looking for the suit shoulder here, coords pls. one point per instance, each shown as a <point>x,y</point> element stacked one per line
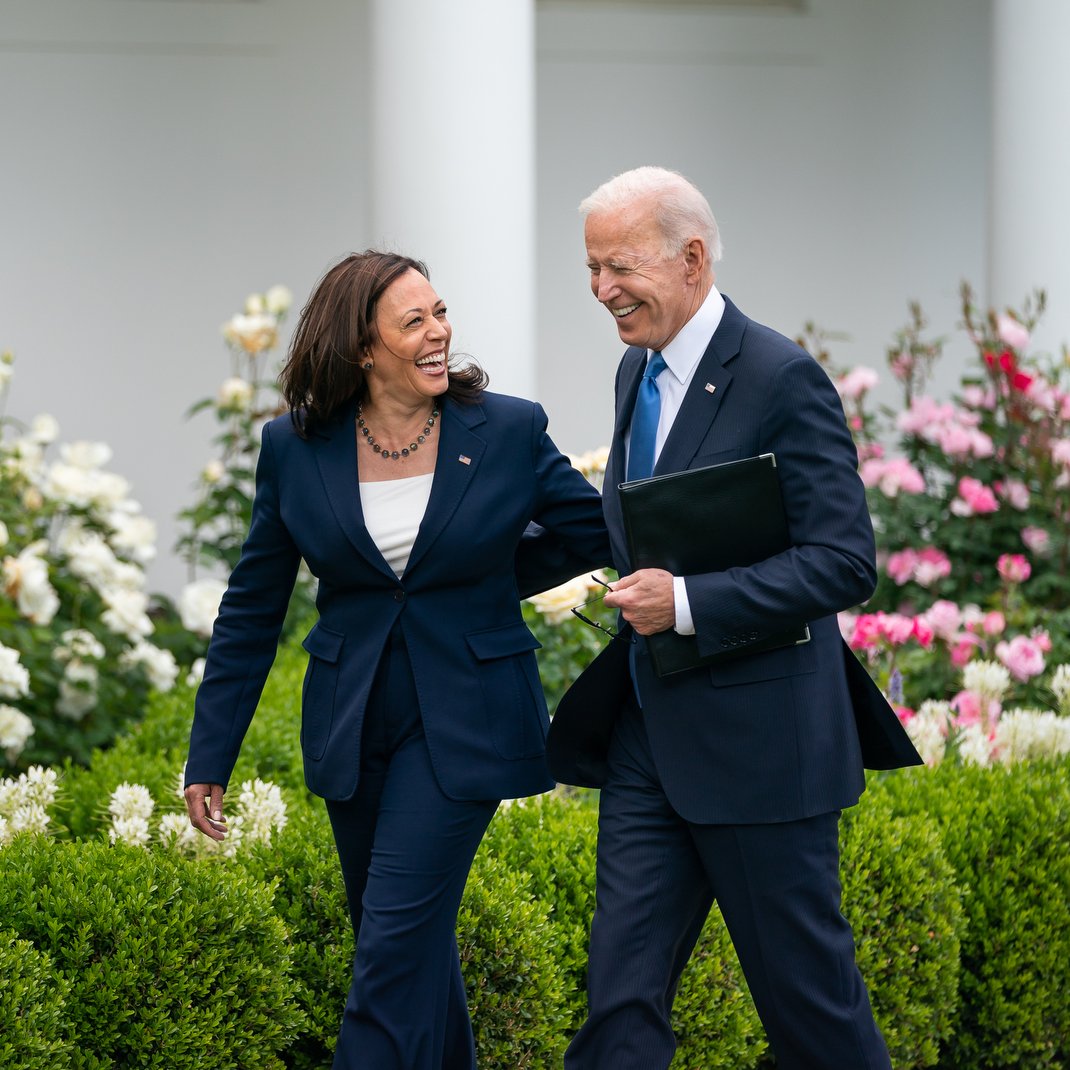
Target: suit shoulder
<point>508,407</point>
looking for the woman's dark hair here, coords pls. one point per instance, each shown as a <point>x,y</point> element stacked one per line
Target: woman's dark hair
<point>323,371</point>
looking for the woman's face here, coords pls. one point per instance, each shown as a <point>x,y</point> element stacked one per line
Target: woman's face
<point>411,349</point>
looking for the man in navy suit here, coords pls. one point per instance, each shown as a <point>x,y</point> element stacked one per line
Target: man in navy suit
<point>724,782</point>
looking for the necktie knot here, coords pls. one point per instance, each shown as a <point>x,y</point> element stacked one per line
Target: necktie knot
<point>655,366</point>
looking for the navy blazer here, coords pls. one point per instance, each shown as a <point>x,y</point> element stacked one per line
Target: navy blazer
<point>458,602</point>
<point>770,736</point>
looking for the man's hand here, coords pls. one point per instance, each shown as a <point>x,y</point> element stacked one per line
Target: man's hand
<point>205,805</point>
<point>645,598</point>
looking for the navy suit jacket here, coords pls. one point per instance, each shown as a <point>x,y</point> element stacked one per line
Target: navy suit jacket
<point>458,601</point>
<point>770,736</point>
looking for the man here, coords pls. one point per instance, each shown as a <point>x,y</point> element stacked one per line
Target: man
<point>723,782</point>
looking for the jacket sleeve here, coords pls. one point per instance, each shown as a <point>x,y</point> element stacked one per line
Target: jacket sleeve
<point>568,534</point>
<point>246,632</point>
<point>831,563</point>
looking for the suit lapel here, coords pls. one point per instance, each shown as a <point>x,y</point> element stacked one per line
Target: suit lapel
<point>703,398</point>
<point>460,452</point>
<point>336,457</point>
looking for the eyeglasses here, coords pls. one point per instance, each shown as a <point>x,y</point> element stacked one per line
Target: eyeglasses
<point>611,632</point>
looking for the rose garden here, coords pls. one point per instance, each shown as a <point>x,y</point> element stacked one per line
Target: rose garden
<point>126,940</point>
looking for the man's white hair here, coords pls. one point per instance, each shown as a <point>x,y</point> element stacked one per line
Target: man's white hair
<point>680,209</point>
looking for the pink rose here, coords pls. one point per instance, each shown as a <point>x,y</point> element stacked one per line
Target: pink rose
<point>967,707</point>
<point>963,650</point>
<point>944,618</point>
<point>923,632</point>
<point>855,383</point>
<point>1043,640</point>
<point>900,566</point>
<point>895,628</point>
<point>931,565</point>
<point>1036,540</point>
<point>1013,491</point>
<point>994,623</point>
<point>1022,656</point>
<point>1011,332</point>
<point>1014,568</point>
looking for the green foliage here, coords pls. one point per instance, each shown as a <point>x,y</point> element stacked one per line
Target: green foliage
<point>510,956</point>
<point>905,909</point>
<point>1005,831</point>
<point>310,899</point>
<point>153,752</point>
<point>33,1033</point>
<point>170,963</point>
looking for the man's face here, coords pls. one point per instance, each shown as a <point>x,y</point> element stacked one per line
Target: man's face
<point>650,296</point>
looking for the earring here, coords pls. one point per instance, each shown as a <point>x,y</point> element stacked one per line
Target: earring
<point>367,365</point>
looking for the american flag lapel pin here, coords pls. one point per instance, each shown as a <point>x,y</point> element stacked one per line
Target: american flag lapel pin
<point>710,388</point>
<point>464,460</point>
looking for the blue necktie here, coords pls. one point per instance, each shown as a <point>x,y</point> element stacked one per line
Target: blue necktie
<point>645,418</point>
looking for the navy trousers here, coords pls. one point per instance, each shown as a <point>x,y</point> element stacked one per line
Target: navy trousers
<point>405,850</point>
<point>778,889</point>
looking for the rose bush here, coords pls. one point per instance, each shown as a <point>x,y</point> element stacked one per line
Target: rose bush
<point>969,498</point>
<point>77,655</point>
<point>216,523</point>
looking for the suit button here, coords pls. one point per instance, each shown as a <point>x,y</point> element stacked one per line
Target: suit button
<point>399,596</point>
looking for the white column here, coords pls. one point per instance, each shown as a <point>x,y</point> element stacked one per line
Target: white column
<point>1030,208</point>
<point>453,166</point>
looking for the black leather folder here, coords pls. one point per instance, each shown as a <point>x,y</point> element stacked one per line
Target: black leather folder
<point>707,520</point>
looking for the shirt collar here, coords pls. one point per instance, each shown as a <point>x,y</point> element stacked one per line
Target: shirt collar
<point>686,349</point>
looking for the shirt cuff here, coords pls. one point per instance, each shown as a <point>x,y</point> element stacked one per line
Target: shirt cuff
<point>684,624</point>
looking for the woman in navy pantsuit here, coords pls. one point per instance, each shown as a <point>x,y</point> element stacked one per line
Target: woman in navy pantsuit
<point>426,508</point>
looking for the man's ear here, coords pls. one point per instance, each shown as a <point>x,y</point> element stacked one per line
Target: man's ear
<point>696,259</point>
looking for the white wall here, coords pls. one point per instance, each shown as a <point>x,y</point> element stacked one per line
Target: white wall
<point>842,149</point>
<point>163,158</point>
<point>160,160</point>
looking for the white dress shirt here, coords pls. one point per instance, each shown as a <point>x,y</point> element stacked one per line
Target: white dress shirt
<point>682,355</point>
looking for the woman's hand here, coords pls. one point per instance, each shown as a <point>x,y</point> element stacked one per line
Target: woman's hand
<point>205,805</point>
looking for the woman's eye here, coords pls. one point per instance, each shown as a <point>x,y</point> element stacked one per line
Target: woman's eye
<point>413,322</point>
<point>441,313</point>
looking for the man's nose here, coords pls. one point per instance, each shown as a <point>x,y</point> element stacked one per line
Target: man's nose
<point>606,287</point>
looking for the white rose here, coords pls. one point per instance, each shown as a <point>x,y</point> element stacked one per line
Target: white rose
<point>15,729</point>
<point>254,303</point>
<point>14,678</point>
<point>213,471</point>
<point>278,300</point>
<point>26,580</point>
<point>198,605</point>
<point>253,333</point>
<point>44,429</point>
<point>126,614</point>
<point>135,534</point>
<point>195,674</point>
<point>3,534</point>
<point>86,455</point>
<point>160,665</point>
<point>236,394</point>
<point>77,691</point>
<point>557,603</point>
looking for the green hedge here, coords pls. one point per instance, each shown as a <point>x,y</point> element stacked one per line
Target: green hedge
<point>33,1028</point>
<point>1006,832</point>
<point>956,881</point>
<point>165,963</point>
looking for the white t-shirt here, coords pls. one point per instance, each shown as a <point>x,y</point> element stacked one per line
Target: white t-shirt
<point>393,509</point>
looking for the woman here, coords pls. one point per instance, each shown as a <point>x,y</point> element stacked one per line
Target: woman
<point>409,491</point>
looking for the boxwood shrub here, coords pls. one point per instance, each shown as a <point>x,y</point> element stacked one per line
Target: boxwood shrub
<point>905,908</point>
<point>1006,831</point>
<point>33,1028</point>
<point>166,963</point>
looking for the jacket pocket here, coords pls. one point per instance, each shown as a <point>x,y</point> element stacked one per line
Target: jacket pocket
<point>768,665</point>
<point>319,690</point>
<point>512,692</point>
